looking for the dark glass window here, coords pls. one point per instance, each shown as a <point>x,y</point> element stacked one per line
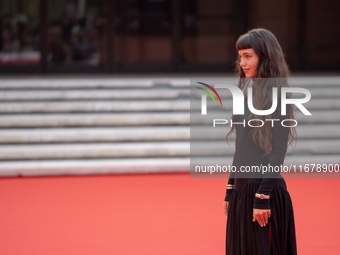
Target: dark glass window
<point>19,32</point>
<point>75,33</point>
<point>143,32</point>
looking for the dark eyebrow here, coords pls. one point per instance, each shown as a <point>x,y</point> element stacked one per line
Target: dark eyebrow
<point>245,53</point>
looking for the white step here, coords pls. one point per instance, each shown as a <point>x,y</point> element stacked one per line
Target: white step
<point>52,83</point>
<point>40,82</point>
<point>94,166</point>
<point>111,134</point>
<point>148,105</point>
<point>94,119</point>
<point>94,106</point>
<point>148,149</point>
<point>20,95</point>
<point>136,165</point>
<point>94,150</point>
<point>86,94</point>
<point>145,82</point>
<point>128,134</point>
<point>140,119</point>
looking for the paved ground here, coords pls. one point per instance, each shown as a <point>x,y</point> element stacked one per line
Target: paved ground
<point>145,214</point>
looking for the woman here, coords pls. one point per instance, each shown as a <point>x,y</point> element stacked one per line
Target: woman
<point>259,208</point>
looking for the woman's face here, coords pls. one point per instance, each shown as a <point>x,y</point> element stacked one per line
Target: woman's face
<point>249,62</point>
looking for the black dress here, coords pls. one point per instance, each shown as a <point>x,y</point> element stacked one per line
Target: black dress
<point>243,236</point>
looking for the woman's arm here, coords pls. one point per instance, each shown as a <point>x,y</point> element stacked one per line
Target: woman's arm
<point>261,207</point>
<point>278,152</point>
<point>231,181</point>
<point>229,191</point>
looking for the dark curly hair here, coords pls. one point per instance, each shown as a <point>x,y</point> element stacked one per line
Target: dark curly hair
<point>272,64</point>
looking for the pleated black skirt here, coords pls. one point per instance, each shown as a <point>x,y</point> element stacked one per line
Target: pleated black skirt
<point>245,237</point>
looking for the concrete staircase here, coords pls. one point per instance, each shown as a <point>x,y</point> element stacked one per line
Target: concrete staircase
<point>93,126</point>
<point>69,126</point>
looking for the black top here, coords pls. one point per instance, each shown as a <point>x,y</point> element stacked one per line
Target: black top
<point>247,153</point>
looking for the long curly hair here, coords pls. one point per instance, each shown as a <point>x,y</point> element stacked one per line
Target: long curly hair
<point>272,64</point>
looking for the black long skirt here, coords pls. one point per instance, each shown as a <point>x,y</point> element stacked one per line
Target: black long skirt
<point>245,237</point>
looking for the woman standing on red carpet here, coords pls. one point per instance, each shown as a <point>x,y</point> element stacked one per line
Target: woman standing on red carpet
<point>259,207</point>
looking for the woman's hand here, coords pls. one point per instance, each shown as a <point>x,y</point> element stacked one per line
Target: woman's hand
<point>261,216</point>
<point>225,207</point>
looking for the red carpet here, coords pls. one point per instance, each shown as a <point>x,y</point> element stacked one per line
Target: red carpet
<point>145,214</point>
